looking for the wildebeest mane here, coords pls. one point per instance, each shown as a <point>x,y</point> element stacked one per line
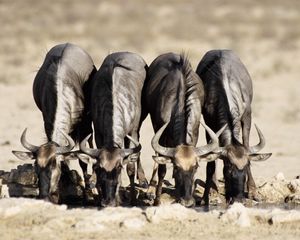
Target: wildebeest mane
<point>216,104</point>
<point>190,86</point>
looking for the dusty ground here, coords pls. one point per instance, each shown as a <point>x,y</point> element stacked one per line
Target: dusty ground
<point>265,34</point>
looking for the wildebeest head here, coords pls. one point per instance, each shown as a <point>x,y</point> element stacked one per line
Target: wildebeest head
<point>185,159</point>
<point>237,158</point>
<point>107,165</point>
<point>47,159</point>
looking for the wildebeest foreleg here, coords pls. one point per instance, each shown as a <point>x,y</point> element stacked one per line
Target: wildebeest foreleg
<point>153,182</point>
<point>162,169</point>
<point>131,173</point>
<point>141,174</point>
<point>210,176</point>
<point>246,127</point>
<point>252,194</point>
<point>140,171</point>
<point>54,183</point>
<point>88,191</point>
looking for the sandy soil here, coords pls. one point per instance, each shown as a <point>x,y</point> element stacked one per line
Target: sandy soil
<point>265,34</point>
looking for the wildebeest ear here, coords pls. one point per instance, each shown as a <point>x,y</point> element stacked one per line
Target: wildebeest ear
<point>161,159</point>
<point>24,155</point>
<point>209,157</point>
<point>259,157</point>
<point>81,156</point>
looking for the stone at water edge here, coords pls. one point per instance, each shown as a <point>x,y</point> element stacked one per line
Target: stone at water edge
<point>279,176</point>
<point>294,185</point>
<point>24,175</point>
<point>4,176</point>
<point>22,182</point>
<point>175,212</point>
<point>275,190</point>
<point>293,198</point>
<point>237,214</point>
<point>18,190</point>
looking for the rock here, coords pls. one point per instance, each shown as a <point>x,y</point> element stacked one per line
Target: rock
<point>4,191</point>
<point>279,177</point>
<point>237,214</point>
<point>274,191</point>
<point>175,212</point>
<point>4,176</point>
<point>18,190</point>
<point>285,217</point>
<point>24,175</point>
<point>167,199</point>
<point>294,185</point>
<point>293,198</point>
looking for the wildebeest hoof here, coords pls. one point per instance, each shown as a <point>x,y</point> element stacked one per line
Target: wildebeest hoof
<point>253,195</point>
<point>112,203</point>
<point>151,192</point>
<point>133,202</point>
<point>54,198</point>
<point>187,203</point>
<point>156,202</point>
<point>88,196</point>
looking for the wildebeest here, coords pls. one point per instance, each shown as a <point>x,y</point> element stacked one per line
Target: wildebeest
<point>173,94</point>
<point>116,111</point>
<point>60,92</point>
<point>228,97</point>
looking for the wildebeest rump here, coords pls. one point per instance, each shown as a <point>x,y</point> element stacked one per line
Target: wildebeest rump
<point>173,94</point>
<point>228,97</point>
<point>116,111</point>
<point>60,92</point>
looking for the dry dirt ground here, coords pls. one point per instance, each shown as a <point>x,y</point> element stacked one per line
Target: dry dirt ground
<point>265,34</point>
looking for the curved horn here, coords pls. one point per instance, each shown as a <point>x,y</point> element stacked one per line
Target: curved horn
<point>27,145</point>
<point>260,145</point>
<point>89,151</point>
<point>164,151</point>
<point>211,146</point>
<point>69,147</point>
<point>221,150</point>
<point>136,149</point>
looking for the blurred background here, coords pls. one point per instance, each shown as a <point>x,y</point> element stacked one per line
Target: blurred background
<point>265,34</point>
